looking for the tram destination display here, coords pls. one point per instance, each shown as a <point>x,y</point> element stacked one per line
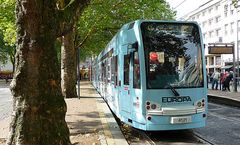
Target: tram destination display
<point>220,48</point>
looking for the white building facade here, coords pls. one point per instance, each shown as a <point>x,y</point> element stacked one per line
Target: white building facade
<point>219,22</point>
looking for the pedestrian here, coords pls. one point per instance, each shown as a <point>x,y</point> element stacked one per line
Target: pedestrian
<point>227,81</point>
<point>223,77</point>
<point>216,77</point>
<point>210,74</point>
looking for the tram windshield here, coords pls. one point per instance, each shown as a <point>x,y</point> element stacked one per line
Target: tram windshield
<point>172,54</point>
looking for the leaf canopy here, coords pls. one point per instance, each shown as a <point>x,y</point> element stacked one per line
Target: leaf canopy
<point>98,23</point>
<point>103,18</point>
<point>7,30</point>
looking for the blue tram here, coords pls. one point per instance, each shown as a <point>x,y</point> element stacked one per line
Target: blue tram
<point>153,76</point>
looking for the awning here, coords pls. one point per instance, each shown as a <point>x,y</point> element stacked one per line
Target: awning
<point>226,66</point>
<point>237,67</point>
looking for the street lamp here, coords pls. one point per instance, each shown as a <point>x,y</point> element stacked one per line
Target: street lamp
<point>78,72</point>
<point>237,45</point>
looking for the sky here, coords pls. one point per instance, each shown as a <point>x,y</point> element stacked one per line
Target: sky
<point>185,6</point>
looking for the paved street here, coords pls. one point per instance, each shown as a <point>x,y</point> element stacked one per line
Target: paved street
<point>222,125</point>
<point>5,108</point>
<point>5,101</point>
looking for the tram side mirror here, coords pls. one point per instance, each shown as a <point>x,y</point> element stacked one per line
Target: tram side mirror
<point>133,47</point>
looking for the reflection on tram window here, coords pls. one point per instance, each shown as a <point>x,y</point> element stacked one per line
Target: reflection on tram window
<point>173,55</point>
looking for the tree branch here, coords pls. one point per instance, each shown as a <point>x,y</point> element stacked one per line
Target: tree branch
<point>68,15</point>
<point>85,38</point>
<point>92,28</point>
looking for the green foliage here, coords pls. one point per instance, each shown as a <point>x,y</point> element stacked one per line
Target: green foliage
<point>7,30</point>
<point>6,51</point>
<point>99,22</point>
<point>3,56</point>
<point>102,19</point>
<point>235,3</point>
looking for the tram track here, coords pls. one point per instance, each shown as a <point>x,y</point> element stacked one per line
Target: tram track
<point>139,137</point>
<point>203,140</point>
<point>146,137</point>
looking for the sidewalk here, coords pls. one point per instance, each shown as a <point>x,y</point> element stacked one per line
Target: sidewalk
<point>92,117</point>
<point>89,120</point>
<point>224,97</point>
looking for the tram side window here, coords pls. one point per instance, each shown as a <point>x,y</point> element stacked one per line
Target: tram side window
<point>113,69</point>
<point>116,70</point>
<point>136,72</point>
<point>126,69</point>
<point>108,70</point>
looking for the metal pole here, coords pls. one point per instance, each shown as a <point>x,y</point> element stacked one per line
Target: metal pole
<point>237,46</point>
<point>90,69</point>
<point>234,71</point>
<point>78,74</point>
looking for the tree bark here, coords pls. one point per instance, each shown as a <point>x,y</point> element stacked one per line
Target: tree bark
<point>68,50</point>
<point>68,66</point>
<point>39,106</point>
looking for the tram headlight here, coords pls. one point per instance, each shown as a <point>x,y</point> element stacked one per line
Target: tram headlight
<point>153,106</point>
<point>200,103</point>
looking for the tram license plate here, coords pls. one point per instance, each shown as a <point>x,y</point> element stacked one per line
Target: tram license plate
<point>180,120</point>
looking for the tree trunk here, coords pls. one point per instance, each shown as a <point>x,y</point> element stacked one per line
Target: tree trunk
<point>68,66</point>
<point>39,107</point>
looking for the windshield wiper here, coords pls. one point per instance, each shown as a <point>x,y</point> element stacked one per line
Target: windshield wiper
<point>173,90</point>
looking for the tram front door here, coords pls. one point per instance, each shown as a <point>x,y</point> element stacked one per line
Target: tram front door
<point>124,97</point>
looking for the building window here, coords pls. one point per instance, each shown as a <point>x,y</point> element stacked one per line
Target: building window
<point>217,19</point>
<point>217,7</point>
<point>232,27</point>
<point>204,24</point>
<point>219,39</point>
<point>198,16</point>
<point>238,25</point>
<point>218,32</point>
<point>226,29</point>
<point>231,12</point>
<point>204,35</point>
<point>218,60</point>
<point>210,22</point>
<point>210,34</point>
<point>203,13</point>
<point>225,10</point>
<point>211,60</point>
<point>231,9</point>
<point>210,10</point>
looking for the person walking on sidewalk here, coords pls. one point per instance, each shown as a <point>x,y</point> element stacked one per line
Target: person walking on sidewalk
<point>226,82</point>
<point>216,77</point>
<point>222,80</point>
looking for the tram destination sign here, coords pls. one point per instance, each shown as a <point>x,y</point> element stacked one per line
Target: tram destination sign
<point>220,48</point>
